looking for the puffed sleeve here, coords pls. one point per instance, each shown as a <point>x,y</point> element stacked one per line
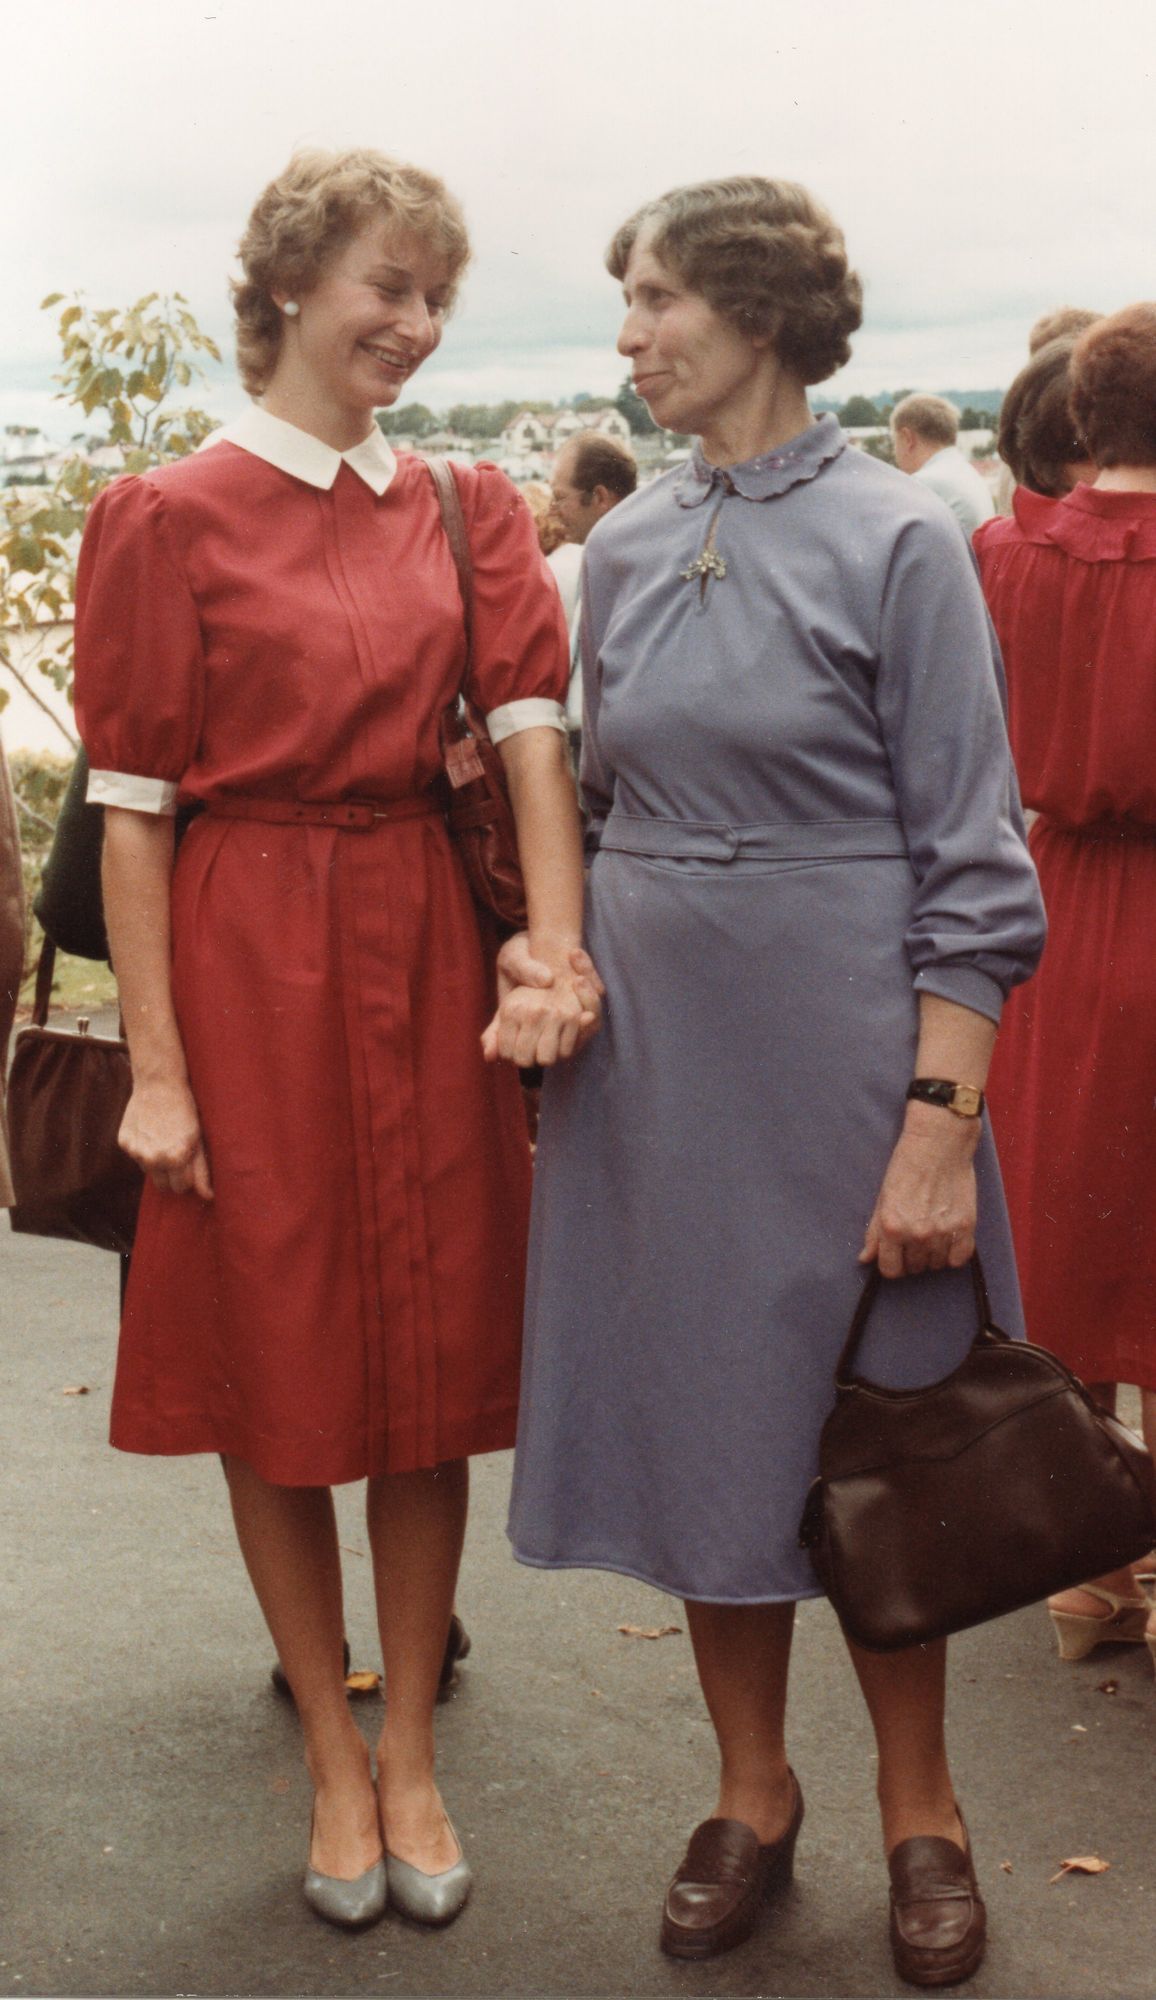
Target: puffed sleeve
<point>139,663</point>
<point>521,652</point>
<point>977,927</point>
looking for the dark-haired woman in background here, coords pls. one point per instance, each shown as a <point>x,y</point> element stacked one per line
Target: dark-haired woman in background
<point>1072,588</point>
<point>810,887</point>
<point>1037,438</point>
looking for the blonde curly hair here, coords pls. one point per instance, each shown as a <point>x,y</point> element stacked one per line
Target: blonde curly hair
<point>308,214</point>
<point>766,255</point>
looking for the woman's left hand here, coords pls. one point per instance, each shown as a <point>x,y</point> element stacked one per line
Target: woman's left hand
<point>925,1216</point>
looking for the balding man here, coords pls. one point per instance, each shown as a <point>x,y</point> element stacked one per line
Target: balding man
<point>923,431</point>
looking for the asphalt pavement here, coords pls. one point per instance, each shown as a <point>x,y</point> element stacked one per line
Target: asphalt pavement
<point>154,1812</point>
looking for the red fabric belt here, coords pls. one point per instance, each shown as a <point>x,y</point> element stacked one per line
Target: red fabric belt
<point>357,813</point>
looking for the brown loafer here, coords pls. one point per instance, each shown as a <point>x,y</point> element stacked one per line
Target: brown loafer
<point>714,1899</point>
<point>938,1921</point>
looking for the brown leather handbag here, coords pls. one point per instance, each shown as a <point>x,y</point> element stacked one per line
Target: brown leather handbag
<point>478,809</point>
<point>67,1094</point>
<point>939,1508</point>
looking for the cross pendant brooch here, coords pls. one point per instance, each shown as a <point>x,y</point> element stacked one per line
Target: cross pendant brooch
<point>709,563</point>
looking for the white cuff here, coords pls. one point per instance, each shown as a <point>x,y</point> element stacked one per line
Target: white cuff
<point>120,788</point>
<point>534,713</point>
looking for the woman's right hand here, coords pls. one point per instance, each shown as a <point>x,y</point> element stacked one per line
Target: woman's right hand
<point>546,1012</point>
<point>162,1133</point>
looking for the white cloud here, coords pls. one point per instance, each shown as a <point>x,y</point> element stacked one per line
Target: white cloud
<point>987,158</point>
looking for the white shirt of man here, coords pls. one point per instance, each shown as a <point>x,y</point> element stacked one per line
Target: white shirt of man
<point>566,563</point>
<point>948,473</point>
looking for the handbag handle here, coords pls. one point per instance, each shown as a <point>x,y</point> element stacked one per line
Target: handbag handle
<point>45,973</point>
<point>844,1378</point>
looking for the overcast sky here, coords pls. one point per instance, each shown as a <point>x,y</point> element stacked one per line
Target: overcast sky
<point>986,160</point>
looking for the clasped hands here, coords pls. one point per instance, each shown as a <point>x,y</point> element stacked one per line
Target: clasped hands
<point>549,1003</point>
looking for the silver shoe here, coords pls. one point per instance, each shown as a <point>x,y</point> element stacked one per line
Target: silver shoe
<point>429,1899</point>
<point>350,1904</point>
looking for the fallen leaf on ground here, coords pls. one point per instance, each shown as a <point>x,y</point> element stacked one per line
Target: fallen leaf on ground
<point>1007,1867</point>
<point>75,1389</point>
<point>650,1631</point>
<point>1107,1687</point>
<point>1080,1864</point>
<point>364,1681</point>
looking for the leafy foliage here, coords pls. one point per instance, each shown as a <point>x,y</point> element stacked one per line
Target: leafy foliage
<point>858,412</point>
<point>407,420</point>
<point>630,403</point>
<point>121,367</point>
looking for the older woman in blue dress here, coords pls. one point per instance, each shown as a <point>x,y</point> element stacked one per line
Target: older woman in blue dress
<point>809,890</point>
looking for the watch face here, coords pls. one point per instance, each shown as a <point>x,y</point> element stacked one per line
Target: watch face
<point>966,1100</point>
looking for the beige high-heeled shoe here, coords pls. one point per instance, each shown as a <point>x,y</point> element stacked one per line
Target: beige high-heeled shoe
<point>1079,1633</point>
<point>1146,1581</point>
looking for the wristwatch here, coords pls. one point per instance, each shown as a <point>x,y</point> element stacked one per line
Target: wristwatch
<point>965,1099</point>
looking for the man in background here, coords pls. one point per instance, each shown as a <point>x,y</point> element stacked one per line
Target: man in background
<point>592,473</point>
<point>923,431</point>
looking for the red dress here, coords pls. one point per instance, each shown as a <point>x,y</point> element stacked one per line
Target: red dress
<point>1072,589</point>
<point>350,1303</point>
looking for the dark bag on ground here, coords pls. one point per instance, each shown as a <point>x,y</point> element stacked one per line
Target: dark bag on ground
<point>67,1094</point>
<point>942,1507</point>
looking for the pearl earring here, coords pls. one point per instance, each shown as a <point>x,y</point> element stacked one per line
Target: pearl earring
<point>291,309</point>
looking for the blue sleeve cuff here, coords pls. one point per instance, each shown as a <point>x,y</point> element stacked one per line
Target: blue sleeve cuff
<point>964,984</point>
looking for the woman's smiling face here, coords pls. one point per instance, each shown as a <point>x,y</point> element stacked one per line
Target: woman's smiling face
<point>689,365</point>
<point>375,315</point>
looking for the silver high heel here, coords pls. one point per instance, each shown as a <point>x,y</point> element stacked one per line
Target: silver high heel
<point>353,1904</point>
<point>430,1899</point>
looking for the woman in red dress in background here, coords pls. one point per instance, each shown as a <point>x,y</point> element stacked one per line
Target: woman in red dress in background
<point>327,1281</point>
<point>1071,584</point>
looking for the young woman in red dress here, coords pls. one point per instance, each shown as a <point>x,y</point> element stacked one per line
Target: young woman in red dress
<point>1071,584</point>
<point>327,1282</point>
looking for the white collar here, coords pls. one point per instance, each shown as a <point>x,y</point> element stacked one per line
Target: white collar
<point>304,456</point>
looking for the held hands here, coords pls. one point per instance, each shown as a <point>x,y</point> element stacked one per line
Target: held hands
<point>925,1215</point>
<point>162,1133</point>
<point>549,1005</point>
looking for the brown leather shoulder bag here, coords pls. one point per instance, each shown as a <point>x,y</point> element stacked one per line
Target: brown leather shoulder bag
<point>939,1508</point>
<point>478,809</point>
<point>67,1095</point>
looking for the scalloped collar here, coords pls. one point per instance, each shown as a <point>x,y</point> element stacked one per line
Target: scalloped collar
<point>769,475</point>
<point>304,456</point>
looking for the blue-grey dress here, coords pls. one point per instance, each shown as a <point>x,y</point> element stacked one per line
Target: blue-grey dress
<point>804,815</point>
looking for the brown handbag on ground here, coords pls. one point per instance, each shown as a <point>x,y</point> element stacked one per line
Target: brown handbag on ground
<point>67,1094</point>
<point>478,809</point>
<point>939,1508</point>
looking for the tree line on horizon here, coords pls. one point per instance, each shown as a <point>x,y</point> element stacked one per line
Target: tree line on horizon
<point>488,420</point>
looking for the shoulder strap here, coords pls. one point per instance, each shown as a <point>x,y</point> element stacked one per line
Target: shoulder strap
<point>454,523</point>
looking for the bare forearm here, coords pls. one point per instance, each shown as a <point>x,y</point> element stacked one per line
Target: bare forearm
<point>136,875</point>
<point>549,839</point>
